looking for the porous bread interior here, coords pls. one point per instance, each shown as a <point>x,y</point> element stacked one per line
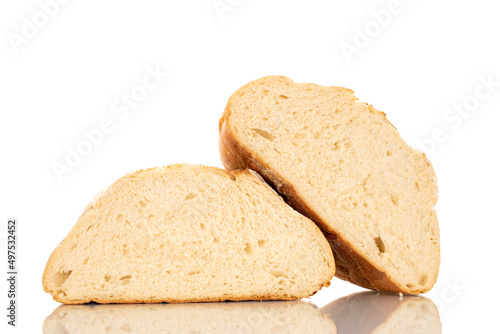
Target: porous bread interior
<point>239,317</point>
<point>350,166</point>
<point>189,233</point>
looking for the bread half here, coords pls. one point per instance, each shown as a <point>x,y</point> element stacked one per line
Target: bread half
<point>341,163</point>
<point>381,313</point>
<point>242,317</point>
<point>189,234</point>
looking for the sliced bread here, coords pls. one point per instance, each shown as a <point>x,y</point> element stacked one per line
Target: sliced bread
<point>240,317</point>
<point>187,233</point>
<point>341,163</point>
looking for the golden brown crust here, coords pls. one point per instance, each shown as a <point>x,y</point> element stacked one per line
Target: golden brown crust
<point>177,301</point>
<point>354,268</point>
<point>350,265</point>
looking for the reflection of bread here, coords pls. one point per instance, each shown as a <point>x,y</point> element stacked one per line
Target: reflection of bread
<point>241,317</point>
<point>342,164</point>
<point>370,312</point>
<point>189,233</point>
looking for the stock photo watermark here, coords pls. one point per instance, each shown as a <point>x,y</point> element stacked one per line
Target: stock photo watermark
<point>448,294</point>
<point>121,107</point>
<point>454,116</point>
<point>33,24</point>
<point>222,7</point>
<point>12,271</point>
<point>364,35</point>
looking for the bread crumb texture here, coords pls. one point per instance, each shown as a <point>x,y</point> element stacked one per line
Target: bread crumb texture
<point>187,233</point>
<point>344,165</point>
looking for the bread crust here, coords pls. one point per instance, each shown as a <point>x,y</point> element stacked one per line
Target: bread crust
<point>350,265</point>
<point>98,202</point>
<point>178,301</point>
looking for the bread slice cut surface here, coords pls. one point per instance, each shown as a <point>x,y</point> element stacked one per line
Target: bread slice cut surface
<point>187,233</point>
<point>341,163</point>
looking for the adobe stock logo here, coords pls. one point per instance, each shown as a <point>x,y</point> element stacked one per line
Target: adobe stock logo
<point>122,106</point>
<point>448,294</point>
<point>31,27</point>
<point>363,36</point>
<point>454,116</point>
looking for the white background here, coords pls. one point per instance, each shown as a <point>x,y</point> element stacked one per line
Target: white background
<point>65,78</point>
